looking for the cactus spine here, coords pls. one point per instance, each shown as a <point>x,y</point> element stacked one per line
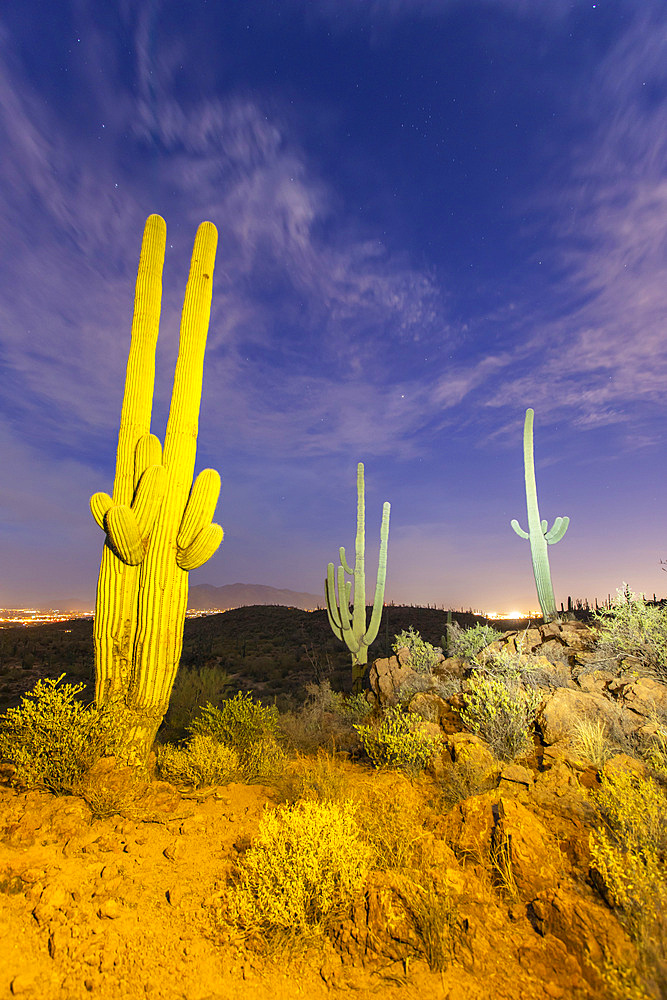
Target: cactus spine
<point>157,523</point>
<point>351,628</point>
<point>537,530</point>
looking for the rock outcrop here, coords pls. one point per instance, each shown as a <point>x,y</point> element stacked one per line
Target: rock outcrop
<point>575,683</point>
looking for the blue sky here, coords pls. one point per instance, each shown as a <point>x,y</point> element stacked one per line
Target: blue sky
<point>432,215</point>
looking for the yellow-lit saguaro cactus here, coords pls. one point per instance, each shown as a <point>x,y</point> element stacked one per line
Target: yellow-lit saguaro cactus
<point>157,522</point>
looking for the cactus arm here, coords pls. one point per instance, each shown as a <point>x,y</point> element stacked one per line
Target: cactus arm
<point>99,506</point>
<point>148,451</point>
<point>378,600</point>
<point>332,608</point>
<point>115,606</point>
<point>163,588</point>
<point>343,561</point>
<point>200,507</point>
<point>560,526</point>
<point>135,418</point>
<point>201,548</point>
<point>519,530</point>
<point>344,588</point>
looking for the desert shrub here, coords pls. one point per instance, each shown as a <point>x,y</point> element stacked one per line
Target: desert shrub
<point>263,760</point>
<point>467,643</point>
<point>435,920</point>
<point>318,778</point>
<point>356,708</point>
<point>193,688</point>
<point>306,863</point>
<point>628,862</point>
<point>655,753</point>
<point>502,712</point>
<point>238,722</point>
<point>326,718</point>
<point>590,738</point>
<point>393,825</point>
<point>250,729</point>
<point>630,627</point>
<point>444,687</point>
<point>423,656</point>
<point>202,761</point>
<point>53,740</point>
<point>399,741</point>
<point>465,777</point>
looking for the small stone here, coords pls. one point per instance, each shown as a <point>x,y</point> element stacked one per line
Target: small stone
<point>173,850</point>
<point>109,910</point>
<point>22,984</point>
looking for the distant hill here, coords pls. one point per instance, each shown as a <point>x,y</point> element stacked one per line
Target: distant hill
<point>240,595</point>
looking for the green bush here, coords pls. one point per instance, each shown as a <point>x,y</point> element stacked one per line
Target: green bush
<point>628,854</point>
<point>53,740</point>
<point>467,643</point>
<point>423,656</point>
<point>250,729</point>
<point>633,628</point>
<point>203,761</point>
<point>306,863</point>
<point>502,712</point>
<point>399,741</point>
<point>238,723</point>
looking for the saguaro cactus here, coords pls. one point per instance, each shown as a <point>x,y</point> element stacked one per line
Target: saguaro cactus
<point>157,523</point>
<point>351,628</point>
<point>537,530</point>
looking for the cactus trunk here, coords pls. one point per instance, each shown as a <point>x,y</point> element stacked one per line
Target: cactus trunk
<point>352,628</point>
<point>537,533</point>
<point>157,523</point>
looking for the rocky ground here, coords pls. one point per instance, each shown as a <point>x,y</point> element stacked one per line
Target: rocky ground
<point>128,905</point>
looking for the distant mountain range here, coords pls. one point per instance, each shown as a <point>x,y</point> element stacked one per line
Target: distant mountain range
<point>204,597</point>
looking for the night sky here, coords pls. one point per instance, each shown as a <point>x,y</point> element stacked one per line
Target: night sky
<point>432,215</point>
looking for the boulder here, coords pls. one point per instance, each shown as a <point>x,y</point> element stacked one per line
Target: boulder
<point>565,706</point>
<point>429,706</point>
<point>386,677</point>
<point>645,696</point>
<point>589,930</point>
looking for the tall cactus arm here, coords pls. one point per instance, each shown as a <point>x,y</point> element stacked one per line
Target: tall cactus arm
<point>115,621</point>
<point>519,530</point>
<point>378,600</point>
<point>135,417</point>
<point>163,589</point>
<point>332,606</point>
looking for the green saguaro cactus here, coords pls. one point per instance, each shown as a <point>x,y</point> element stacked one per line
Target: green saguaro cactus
<point>537,530</point>
<point>351,628</point>
<point>157,523</point>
